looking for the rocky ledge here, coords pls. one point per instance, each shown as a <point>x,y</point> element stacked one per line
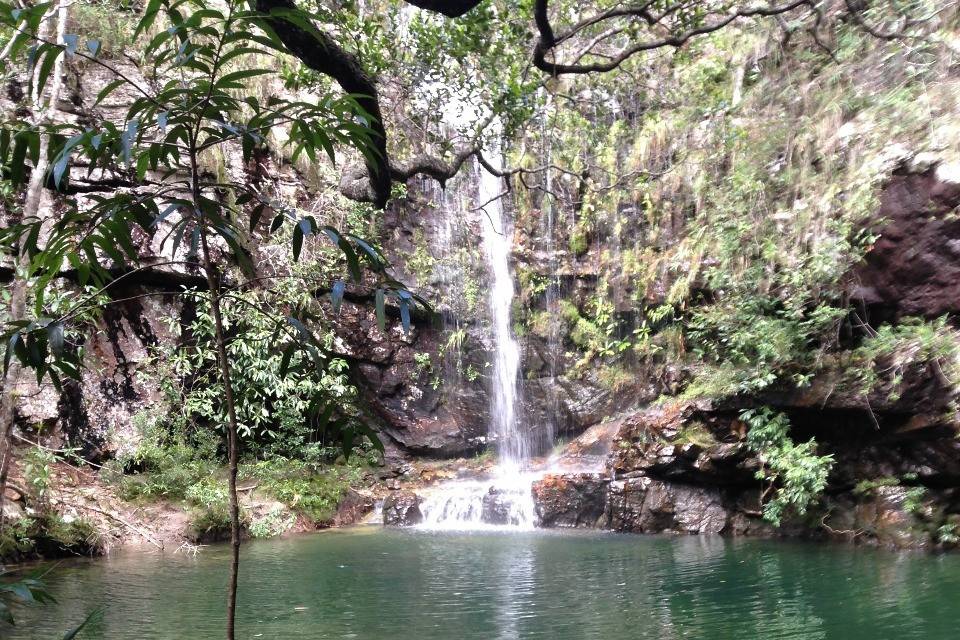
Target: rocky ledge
<point>685,469</point>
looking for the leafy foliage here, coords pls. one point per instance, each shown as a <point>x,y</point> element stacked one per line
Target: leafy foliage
<point>312,488</point>
<point>29,590</point>
<point>913,345</point>
<point>204,57</point>
<point>285,401</point>
<point>793,472</point>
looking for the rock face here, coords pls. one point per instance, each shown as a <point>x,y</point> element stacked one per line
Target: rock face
<point>571,500</point>
<point>96,414</point>
<point>645,505</point>
<point>424,418</point>
<point>684,469</point>
<point>402,509</point>
<point>914,267</point>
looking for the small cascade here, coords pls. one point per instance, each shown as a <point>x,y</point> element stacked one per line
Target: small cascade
<point>553,293</point>
<point>448,277</point>
<point>505,502</point>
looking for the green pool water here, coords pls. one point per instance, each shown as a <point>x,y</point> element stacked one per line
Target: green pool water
<point>375,584</point>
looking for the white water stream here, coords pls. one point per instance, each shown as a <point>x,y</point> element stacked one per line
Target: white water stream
<point>513,446</point>
<point>504,500</point>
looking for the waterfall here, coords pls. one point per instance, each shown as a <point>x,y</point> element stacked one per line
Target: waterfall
<point>505,500</point>
<point>513,445</point>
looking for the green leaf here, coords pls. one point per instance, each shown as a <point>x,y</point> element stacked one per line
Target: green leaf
<point>405,315</point>
<point>71,41</point>
<point>381,310</point>
<point>63,159</point>
<point>255,215</point>
<point>55,337</point>
<point>149,16</point>
<point>143,164</point>
<point>107,90</point>
<point>232,80</point>
<point>285,361</point>
<point>336,295</point>
<point>18,161</point>
<point>128,138</point>
<point>277,222</point>
<point>94,615</point>
<point>297,242</point>
<point>46,67</point>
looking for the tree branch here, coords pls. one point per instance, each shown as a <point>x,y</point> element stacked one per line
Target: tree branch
<point>321,53</point>
<point>371,183</point>
<point>548,41</point>
<point>449,8</point>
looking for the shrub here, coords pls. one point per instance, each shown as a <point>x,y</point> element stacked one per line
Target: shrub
<point>893,350</point>
<point>16,539</point>
<point>280,412</point>
<point>274,523</point>
<point>109,21</point>
<point>579,242</point>
<point>794,474</point>
<point>309,489</point>
<point>210,512</point>
<point>695,433</point>
<point>616,378</point>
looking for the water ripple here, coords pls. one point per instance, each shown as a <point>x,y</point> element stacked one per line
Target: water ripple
<point>428,585</point>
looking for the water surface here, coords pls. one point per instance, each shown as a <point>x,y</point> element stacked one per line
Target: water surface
<point>376,584</point>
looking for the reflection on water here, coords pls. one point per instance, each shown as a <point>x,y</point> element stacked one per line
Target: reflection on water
<point>377,584</point>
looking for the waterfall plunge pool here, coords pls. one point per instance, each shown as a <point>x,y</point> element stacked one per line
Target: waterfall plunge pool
<point>378,584</point>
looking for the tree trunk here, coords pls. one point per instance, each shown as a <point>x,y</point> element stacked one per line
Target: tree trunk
<point>31,208</point>
<point>224,361</point>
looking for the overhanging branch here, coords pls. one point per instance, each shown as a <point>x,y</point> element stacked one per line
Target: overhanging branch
<point>663,24</point>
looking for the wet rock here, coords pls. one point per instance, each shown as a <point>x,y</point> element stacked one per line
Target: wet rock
<point>913,268</point>
<point>682,443</point>
<point>742,524</point>
<point>353,507</point>
<point>893,516</point>
<point>589,451</point>
<point>496,508</point>
<point>571,500</point>
<point>644,505</point>
<point>719,464</point>
<point>426,415</point>
<point>402,509</point>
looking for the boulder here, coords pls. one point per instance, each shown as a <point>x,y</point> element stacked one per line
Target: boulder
<point>402,509</point>
<point>571,500</point>
<point>495,509</point>
<point>645,505</point>
<point>354,507</point>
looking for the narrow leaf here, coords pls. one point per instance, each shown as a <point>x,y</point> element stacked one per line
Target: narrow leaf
<point>336,295</point>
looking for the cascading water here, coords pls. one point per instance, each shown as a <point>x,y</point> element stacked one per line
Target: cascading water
<point>512,444</point>
<point>506,499</point>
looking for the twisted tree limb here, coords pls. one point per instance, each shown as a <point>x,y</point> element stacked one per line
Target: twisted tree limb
<point>320,52</point>
<point>371,183</point>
